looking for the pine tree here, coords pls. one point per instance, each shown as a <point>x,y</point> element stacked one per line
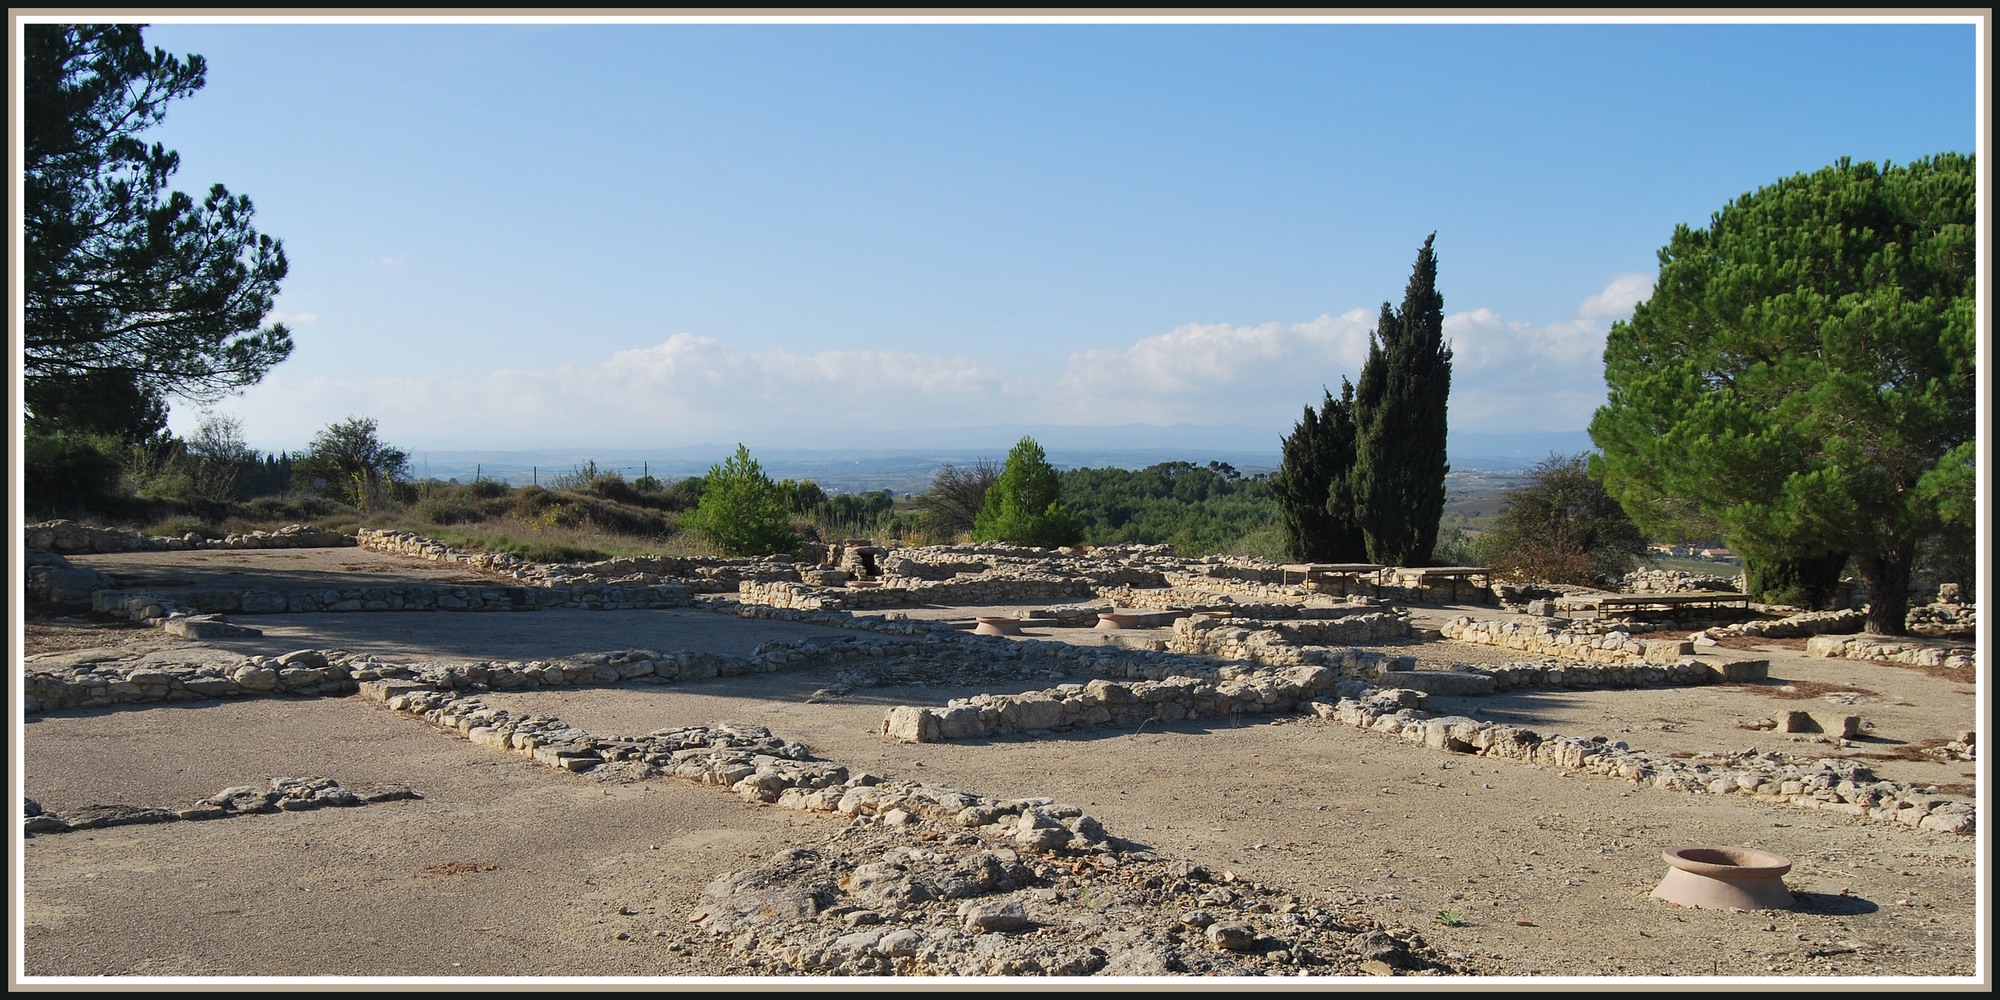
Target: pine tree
<point>1312,485</point>
<point>1024,506</point>
<point>1805,375</point>
<point>132,291</point>
<point>1397,481</point>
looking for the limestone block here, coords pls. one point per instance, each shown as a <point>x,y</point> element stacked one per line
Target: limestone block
<point>1667,650</point>
<point>912,724</point>
<point>1731,670</point>
<point>1798,722</point>
<point>208,627</point>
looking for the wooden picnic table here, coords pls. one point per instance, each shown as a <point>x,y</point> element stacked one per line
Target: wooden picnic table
<point>1430,575</point>
<point>1602,603</point>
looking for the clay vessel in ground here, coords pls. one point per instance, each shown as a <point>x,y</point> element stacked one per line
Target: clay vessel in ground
<point>1724,878</point>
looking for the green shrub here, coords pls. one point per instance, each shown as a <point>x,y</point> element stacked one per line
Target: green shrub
<point>1025,504</point>
<point>742,511</point>
<point>68,467</point>
<point>487,489</point>
<point>1562,528</point>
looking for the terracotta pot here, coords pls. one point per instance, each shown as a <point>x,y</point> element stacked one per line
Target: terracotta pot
<point>997,626</point>
<point>1113,620</point>
<point>1724,878</point>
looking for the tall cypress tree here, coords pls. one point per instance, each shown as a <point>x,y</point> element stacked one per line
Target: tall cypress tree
<point>1312,485</point>
<point>1397,480</point>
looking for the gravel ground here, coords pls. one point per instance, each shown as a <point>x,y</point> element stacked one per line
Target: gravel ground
<point>506,868</point>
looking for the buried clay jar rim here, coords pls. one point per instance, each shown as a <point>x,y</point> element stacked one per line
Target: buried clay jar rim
<point>1729,862</point>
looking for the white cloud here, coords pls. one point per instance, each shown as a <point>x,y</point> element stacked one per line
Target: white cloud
<point>1210,373</point>
<point>1507,376</point>
<point>290,318</point>
<point>390,260</point>
<point>1615,302</point>
<point>684,389</point>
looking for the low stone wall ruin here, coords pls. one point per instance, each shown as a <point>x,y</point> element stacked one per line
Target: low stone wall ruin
<point>1802,624</point>
<point>1892,650</point>
<point>900,591</point>
<point>1542,639</point>
<point>154,605</point>
<point>1284,643</point>
<point>72,538</point>
<point>1830,785</point>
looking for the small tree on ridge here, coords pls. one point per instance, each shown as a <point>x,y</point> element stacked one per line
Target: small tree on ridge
<point>1024,506</point>
<point>742,510</point>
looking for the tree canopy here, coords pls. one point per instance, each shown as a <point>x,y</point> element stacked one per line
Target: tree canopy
<point>1364,478</point>
<point>1313,486</point>
<point>351,460</point>
<point>742,510</point>
<point>1562,528</point>
<point>1399,419</point>
<point>131,288</point>
<point>1803,373</point>
<point>956,497</point>
<point>1196,509</point>
<point>1025,504</point>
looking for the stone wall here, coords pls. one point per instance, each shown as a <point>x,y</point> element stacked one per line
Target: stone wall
<point>150,605</point>
<point>1284,643</point>
<point>704,575</point>
<point>1670,581</point>
<point>905,590</point>
<point>1668,671</point>
<point>306,671</point>
<point>1831,785</point>
<point>71,537</point>
<point>1917,652</point>
<point>1540,639</point>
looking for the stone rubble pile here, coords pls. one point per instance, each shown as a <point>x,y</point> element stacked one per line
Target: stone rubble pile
<point>702,574</point>
<point>1669,671</point>
<point>900,591</point>
<point>1216,692</point>
<point>1965,747</point>
<point>283,795</point>
<point>1917,652</point>
<point>61,686</point>
<point>1672,581</point>
<point>1288,642</point>
<point>1943,618</point>
<point>928,880</point>
<point>69,536</point>
<point>927,892</point>
<point>1831,785</point>
<point>1804,623</point>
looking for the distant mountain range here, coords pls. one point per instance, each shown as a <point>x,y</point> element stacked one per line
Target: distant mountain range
<point>916,455</point>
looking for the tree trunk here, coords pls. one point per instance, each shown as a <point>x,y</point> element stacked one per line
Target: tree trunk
<point>1887,575</point>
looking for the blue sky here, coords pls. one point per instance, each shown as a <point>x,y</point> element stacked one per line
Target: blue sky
<point>802,235</point>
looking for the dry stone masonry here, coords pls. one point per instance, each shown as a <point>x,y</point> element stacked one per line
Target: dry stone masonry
<point>1917,652</point>
<point>71,537</point>
<point>283,795</point>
